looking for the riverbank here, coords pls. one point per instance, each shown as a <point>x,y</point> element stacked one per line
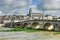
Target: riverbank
<point>24,29</point>
<point>28,30</point>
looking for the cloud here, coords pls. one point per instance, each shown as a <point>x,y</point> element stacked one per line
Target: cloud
<point>33,6</point>
<point>0,12</point>
<point>7,2</point>
<point>17,11</point>
<point>14,6</point>
<point>19,6</point>
<point>15,3</point>
<point>49,4</point>
<point>34,9</point>
<point>53,12</point>
<point>30,1</point>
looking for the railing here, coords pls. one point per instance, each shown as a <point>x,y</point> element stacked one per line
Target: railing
<point>37,20</point>
<point>44,20</point>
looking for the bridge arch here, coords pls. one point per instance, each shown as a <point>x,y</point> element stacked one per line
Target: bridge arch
<point>57,27</point>
<point>35,25</point>
<point>25,25</point>
<point>48,26</point>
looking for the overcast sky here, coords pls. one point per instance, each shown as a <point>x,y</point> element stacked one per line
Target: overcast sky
<point>10,7</point>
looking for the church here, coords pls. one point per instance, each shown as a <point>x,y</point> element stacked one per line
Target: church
<point>34,15</point>
<point>39,16</point>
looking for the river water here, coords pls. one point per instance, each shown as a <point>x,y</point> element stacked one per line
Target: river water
<point>41,35</point>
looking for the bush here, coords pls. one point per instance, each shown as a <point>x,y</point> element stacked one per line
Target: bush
<point>24,29</point>
<point>17,29</point>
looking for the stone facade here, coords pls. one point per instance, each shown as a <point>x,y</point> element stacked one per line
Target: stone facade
<point>34,16</point>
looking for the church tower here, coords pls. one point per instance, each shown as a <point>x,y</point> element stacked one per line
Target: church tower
<point>30,12</point>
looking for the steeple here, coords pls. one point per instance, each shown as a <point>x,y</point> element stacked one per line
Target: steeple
<point>30,11</point>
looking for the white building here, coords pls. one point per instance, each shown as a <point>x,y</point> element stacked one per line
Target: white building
<point>34,15</point>
<point>39,16</point>
<point>48,17</point>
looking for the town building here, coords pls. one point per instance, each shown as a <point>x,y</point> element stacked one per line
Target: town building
<point>19,18</point>
<point>34,15</point>
<point>31,16</point>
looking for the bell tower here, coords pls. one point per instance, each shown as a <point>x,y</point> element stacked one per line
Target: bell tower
<point>30,11</point>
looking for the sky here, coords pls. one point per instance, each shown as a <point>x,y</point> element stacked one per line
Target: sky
<point>21,7</point>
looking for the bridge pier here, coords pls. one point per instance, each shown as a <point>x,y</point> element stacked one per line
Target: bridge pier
<point>57,26</point>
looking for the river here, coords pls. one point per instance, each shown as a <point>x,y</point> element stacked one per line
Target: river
<point>41,35</point>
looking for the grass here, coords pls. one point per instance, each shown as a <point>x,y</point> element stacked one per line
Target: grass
<point>24,29</point>
<point>33,30</point>
<point>56,32</point>
<point>19,29</point>
<point>28,30</point>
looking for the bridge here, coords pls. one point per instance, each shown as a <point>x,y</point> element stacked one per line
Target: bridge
<point>41,24</point>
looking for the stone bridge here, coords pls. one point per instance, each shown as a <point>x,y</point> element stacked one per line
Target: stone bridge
<point>41,24</point>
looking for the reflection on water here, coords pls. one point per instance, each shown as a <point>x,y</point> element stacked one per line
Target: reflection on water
<point>42,35</point>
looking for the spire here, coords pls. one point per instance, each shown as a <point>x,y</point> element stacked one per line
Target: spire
<point>30,10</point>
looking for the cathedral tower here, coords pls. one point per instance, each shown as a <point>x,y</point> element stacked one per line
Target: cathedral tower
<point>30,11</point>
